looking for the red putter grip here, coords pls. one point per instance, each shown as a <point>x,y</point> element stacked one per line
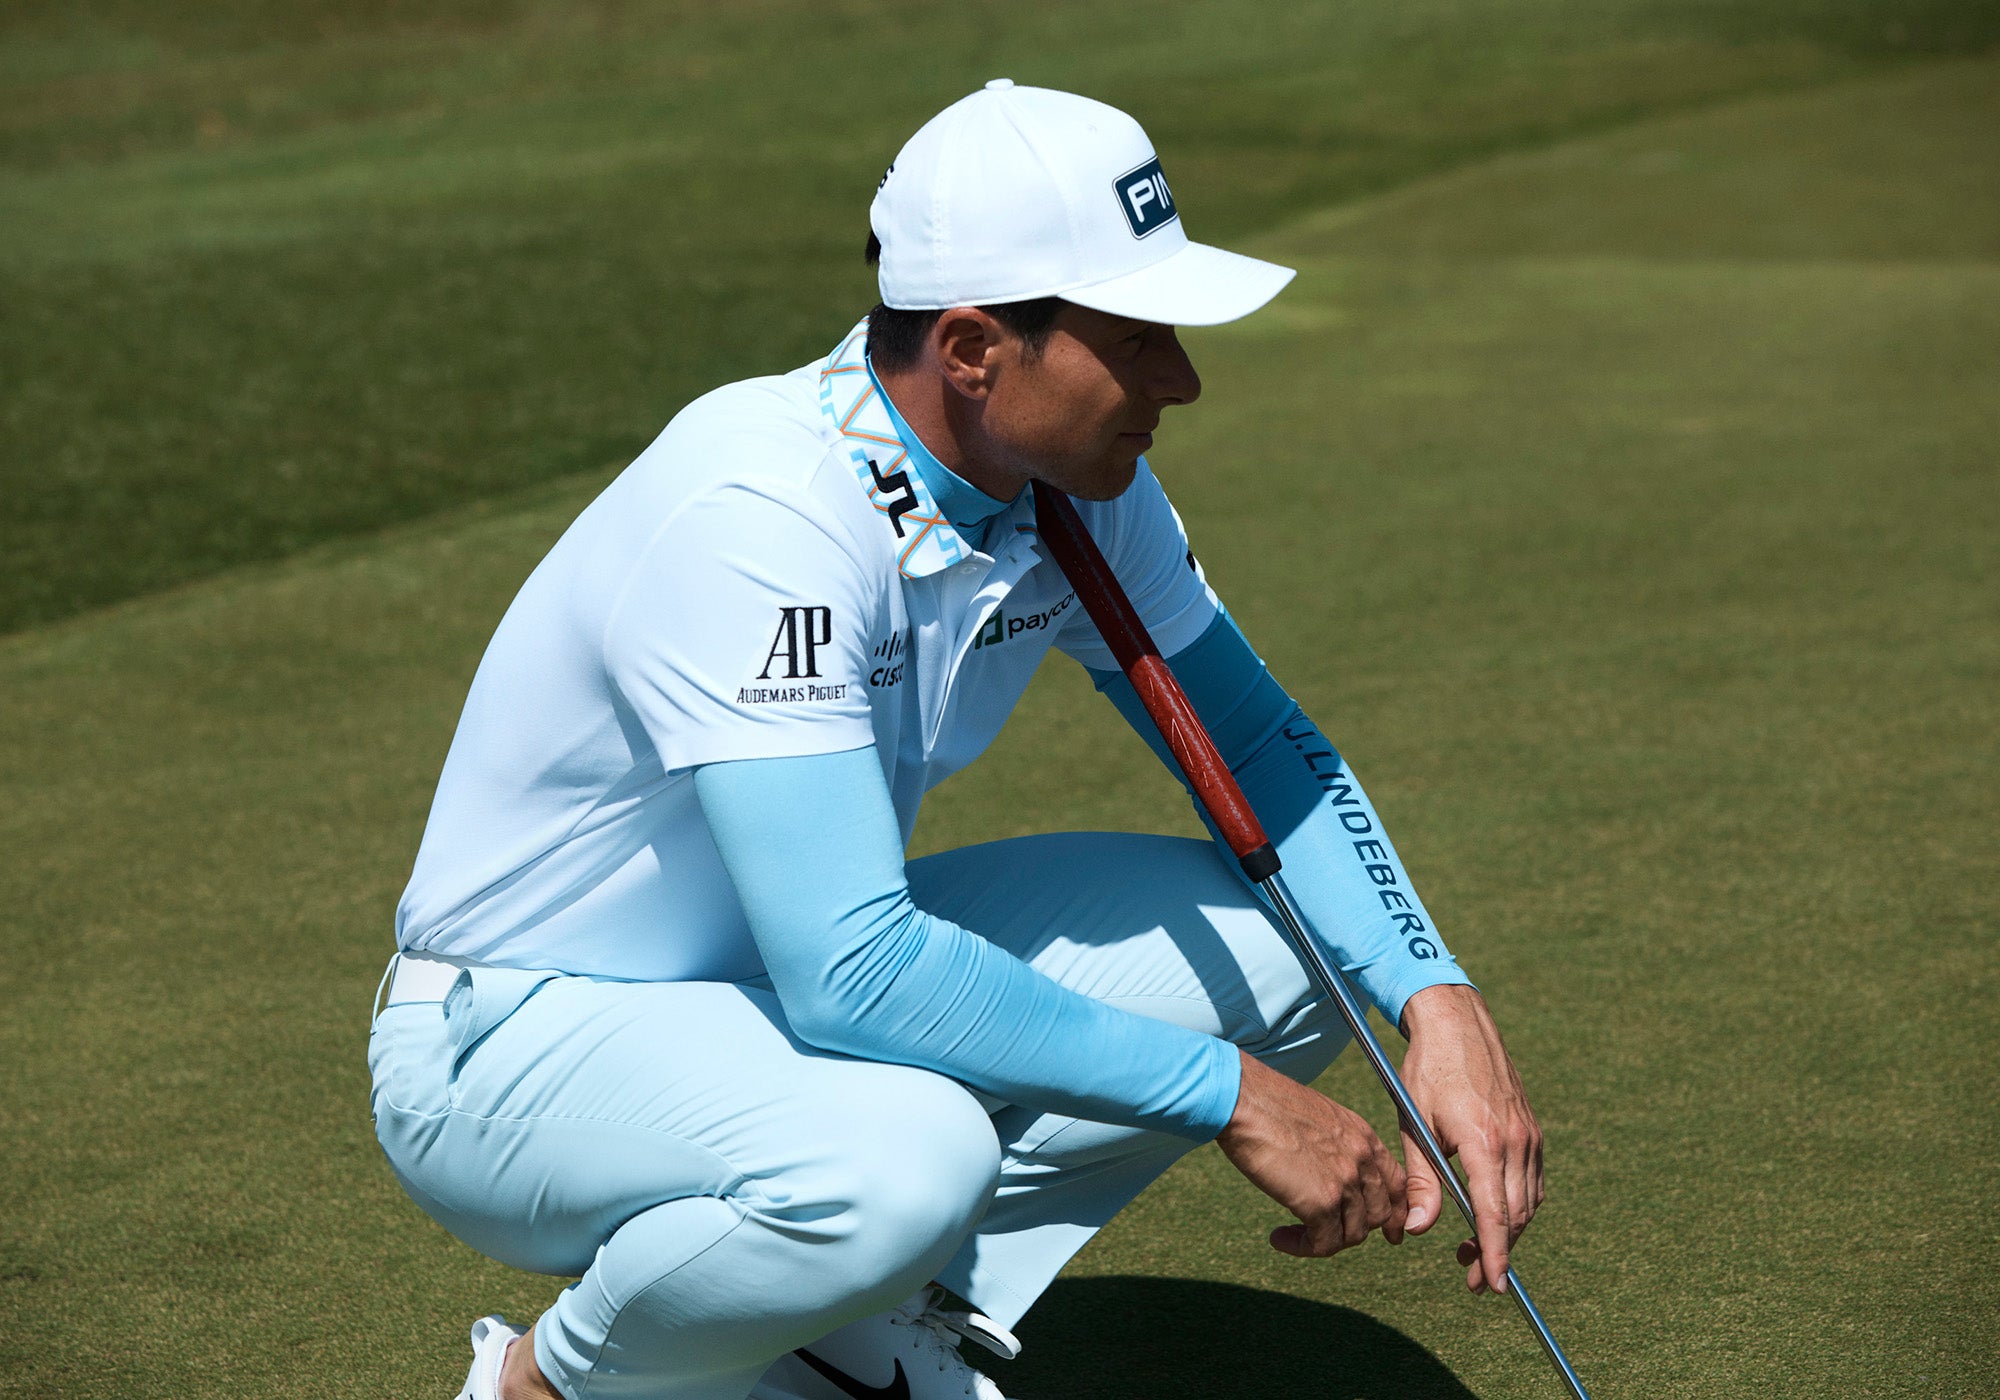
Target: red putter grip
<point>1062,529</point>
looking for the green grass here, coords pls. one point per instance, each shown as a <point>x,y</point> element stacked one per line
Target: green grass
<point>1646,572</point>
<point>275,275</point>
<point>1624,505</point>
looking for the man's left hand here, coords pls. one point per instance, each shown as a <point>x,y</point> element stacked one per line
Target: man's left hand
<point>1459,1074</point>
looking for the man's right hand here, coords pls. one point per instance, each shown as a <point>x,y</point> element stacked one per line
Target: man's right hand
<point>1318,1160</point>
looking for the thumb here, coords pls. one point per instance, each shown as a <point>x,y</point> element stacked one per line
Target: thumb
<point>1425,1196</point>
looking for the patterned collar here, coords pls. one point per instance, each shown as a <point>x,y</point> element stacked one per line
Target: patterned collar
<point>964,505</point>
<point>858,411</point>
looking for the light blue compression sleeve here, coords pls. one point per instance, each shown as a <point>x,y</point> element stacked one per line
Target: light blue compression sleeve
<point>814,850</point>
<point>1339,863</point>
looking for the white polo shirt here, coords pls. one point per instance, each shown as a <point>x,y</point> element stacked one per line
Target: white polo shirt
<point>770,578</point>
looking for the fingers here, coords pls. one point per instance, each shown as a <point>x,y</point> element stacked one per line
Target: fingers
<point>1291,1239</point>
<point>1502,1162</point>
<point>1493,1222</point>
<point>1323,1238</point>
<point>1326,1232</point>
<point>1389,1202</point>
<point>1426,1195</point>
<point>1524,1180</point>
<point>1475,1268</point>
<point>1319,1160</point>
<point>1504,1180</point>
<point>1517,1198</point>
<point>1373,1199</point>
<point>1535,1193</point>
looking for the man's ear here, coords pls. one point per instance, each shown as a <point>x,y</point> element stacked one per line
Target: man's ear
<point>966,342</point>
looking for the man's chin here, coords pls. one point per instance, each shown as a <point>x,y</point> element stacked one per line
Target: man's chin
<point>1106,481</point>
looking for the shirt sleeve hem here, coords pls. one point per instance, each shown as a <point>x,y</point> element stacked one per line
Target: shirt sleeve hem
<point>788,741</point>
<point>1392,997</point>
<point>1221,1086</point>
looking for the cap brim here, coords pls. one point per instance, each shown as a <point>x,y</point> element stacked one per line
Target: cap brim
<point>1198,286</point>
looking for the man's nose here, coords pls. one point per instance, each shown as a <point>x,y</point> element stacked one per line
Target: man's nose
<point>1170,374</point>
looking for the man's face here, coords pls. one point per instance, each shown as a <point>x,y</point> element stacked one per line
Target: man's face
<point>1079,414</point>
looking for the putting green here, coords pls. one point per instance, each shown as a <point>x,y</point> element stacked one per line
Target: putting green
<point>280,274</point>
<point>1643,566</point>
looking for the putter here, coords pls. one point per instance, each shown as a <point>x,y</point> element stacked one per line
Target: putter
<point>1118,623</point>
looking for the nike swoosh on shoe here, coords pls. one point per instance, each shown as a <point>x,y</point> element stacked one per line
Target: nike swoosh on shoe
<point>897,1389</point>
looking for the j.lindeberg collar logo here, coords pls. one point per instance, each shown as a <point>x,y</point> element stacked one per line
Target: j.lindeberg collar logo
<point>855,411</point>
<point>1146,200</point>
<point>901,497</point>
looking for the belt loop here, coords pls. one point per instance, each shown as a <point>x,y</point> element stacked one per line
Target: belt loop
<point>497,993</point>
<point>382,988</point>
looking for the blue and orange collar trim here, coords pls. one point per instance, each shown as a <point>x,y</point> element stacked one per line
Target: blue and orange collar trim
<point>857,409</point>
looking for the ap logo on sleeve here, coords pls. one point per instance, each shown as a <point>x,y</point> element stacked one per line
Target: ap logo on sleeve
<point>802,631</point>
<point>1146,200</point>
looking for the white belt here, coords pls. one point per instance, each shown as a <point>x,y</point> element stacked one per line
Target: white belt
<point>422,977</point>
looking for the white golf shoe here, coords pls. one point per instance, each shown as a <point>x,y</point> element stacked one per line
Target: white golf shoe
<point>490,1339</point>
<point>907,1353</point>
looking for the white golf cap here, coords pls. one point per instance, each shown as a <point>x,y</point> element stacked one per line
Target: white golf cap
<point>1021,192</point>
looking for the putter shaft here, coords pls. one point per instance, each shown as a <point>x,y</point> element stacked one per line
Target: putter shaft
<point>1330,978</point>
<point>1063,530</point>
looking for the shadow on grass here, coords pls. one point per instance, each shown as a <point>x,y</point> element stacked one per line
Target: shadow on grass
<point>1183,1339</point>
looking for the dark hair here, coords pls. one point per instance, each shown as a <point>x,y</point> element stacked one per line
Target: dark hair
<point>896,338</point>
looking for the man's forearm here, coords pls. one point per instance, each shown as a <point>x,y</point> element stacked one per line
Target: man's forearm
<point>1340,864</point>
<point>812,846</point>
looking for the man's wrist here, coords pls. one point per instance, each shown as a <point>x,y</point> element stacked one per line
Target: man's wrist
<point>1439,1002</point>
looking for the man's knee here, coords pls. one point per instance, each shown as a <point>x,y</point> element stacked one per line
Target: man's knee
<point>893,1202</point>
<point>924,1166</point>
<point>865,1216</point>
<point>1304,1039</point>
<point>1299,1029</point>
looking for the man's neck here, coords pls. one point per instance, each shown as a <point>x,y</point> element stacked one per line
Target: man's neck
<point>937,416</point>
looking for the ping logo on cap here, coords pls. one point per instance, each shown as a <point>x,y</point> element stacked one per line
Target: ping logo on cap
<point>1146,200</point>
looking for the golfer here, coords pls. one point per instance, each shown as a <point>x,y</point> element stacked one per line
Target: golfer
<point>672,1016</point>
